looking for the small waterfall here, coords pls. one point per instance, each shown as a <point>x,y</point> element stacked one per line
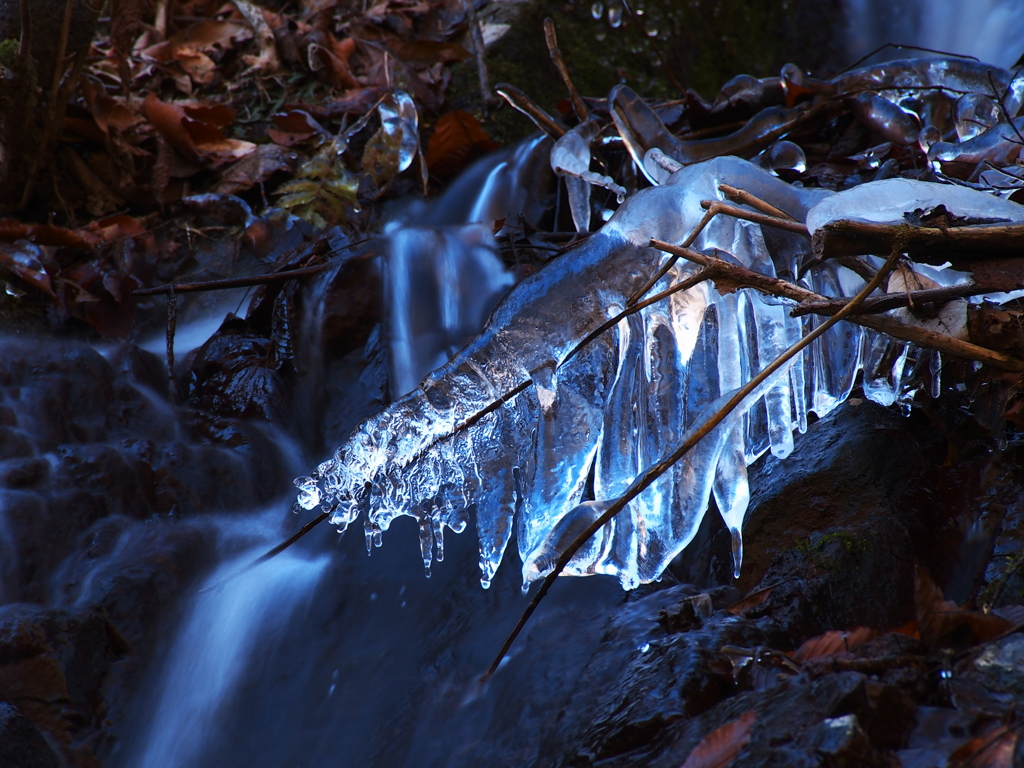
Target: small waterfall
<point>442,276</point>
<point>229,631</point>
<point>991,30</point>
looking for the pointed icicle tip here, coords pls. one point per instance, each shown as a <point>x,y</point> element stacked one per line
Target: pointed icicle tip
<point>737,551</point>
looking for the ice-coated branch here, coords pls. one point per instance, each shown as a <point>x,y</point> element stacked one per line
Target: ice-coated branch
<point>723,408</point>
<point>735,276</point>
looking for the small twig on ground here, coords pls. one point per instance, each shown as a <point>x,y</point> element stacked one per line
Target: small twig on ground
<point>1001,101</point>
<point>52,109</point>
<point>486,94</point>
<point>525,104</point>
<point>232,282</point>
<point>245,282</point>
<point>644,480</point>
<point>582,114</point>
<point>713,208</point>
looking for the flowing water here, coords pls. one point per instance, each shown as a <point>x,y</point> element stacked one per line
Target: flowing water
<point>325,656</point>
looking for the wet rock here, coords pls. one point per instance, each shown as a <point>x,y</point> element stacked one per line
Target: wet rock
<point>21,744</point>
<point>234,374</point>
<point>53,666</point>
<point>853,507</point>
<point>639,684</point>
<point>1001,665</point>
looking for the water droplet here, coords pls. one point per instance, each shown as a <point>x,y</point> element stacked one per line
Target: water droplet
<point>597,10</point>
<point>600,35</point>
<point>485,583</point>
<point>652,29</point>
<point>615,16</point>
<point>644,648</point>
<point>331,690</point>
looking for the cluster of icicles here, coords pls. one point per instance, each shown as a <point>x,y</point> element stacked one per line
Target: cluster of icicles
<point>524,423</point>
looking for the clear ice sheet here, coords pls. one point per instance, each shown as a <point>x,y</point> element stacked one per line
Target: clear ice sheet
<point>517,427</point>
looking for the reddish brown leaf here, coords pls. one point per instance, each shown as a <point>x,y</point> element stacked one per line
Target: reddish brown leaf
<point>294,127</point>
<point>255,168</point>
<point>431,52</point>
<point>994,749</point>
<point>752,600</point>
<point>835,641</point>
<point>329,58</point>
<point>168,119</point>
<point>458,139</point>
<point>106,111</point>
<point>219,115</point>
<point>938,618</point>
<point>720,747</point>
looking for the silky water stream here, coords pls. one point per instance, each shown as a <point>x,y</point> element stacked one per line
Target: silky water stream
<point>323,656</point>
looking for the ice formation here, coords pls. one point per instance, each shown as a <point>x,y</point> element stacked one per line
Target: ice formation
<point>515,424</point>
<point>533,433</point>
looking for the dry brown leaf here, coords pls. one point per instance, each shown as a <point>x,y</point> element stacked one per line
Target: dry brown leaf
<point>255,168</point>
<point>993,749</point>
<point>938,618</point>
<point>195,139</point>
<point>329,58</point>
<point>294,127</point>
<point>431,52</point>
<point>752,600</point>
<point>107,111</point>
<point>458,139</point>
<point>720,747</point>
<point>835,641</point>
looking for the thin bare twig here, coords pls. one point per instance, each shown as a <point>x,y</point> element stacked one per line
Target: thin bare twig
<point>685,285</point>
<point>245,282</point>
<point>892,301</point>
<point>556,56</point>
<point>49,126</point>
<point>644,481</point>
<point>269,553</point>
<point>713,208</point>
<point>526,105</point>
<point>231,282</point>
<point>743,197</point>
<point>486,95</point>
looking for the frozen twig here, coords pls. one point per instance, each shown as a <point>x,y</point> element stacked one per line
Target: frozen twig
<point>639,485</point>
<point>877,304</point>
<point>520,101</point>
<point>932,245</point>
<point>713,208</point>
<point>743,277</point>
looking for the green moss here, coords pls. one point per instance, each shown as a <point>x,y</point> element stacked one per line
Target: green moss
<point>704,43</point>
<point>8,53</point>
